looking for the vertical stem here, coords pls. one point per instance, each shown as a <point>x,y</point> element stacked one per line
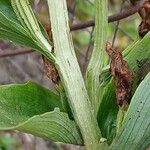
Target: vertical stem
<point>99,57</point>
<point>71,76</point>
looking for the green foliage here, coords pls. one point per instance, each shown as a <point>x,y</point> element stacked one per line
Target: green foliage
<point>84,10</point>
<point>108,110</point>
<point>12,29</point>
<point>7,143</point>
<point>107,114</point>
<point>71,75</point>
<point>33,109</point>
<point>135,131</point>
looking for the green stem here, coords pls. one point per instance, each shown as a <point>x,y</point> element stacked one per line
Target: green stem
<point>99,57</point>
<point>71,76</point>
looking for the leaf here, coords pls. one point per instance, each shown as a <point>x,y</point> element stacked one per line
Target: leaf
<point>10,24</point>
<point>84,10</point>
<point>25,15</point>
<point>12,30</point>
<point>7,142</point>
<point>135,132</point>
<point>108,109</point>
<point>136,52</point>
<point>144,69</point>
<point>33,109</point>
<point>107,114</point>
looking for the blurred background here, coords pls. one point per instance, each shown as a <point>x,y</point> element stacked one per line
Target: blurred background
<point>20,64</point>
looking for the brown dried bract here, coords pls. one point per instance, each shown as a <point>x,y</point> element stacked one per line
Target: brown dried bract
<point>144,26</point>
<point>141,11</point>
<point>144,12</point>
<point>51,71</point>
<point>122,74</point>
<point>48,30</point>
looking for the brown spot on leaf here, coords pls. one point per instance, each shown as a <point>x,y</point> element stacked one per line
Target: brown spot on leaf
<point>51,71</point>
<point>122,75</point>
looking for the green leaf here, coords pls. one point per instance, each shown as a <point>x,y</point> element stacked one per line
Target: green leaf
<point>12,30</point>
<point>107,114</point>
<point>25,15</point>
<point>138,51</point>
<point>7,142</point>
<point>10,26</point>
<point>135,132</point>
<point>84,10</point>
<point>108,110</point>
<point>33,109</point>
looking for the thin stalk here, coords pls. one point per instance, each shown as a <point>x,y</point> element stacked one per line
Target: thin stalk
<point>99,58</point>
<point>68,67</point>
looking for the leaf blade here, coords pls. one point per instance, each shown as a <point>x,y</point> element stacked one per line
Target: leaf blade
<point>136,126</point>
<point>9,22</point>
<point>24,106</point>
<point>108,109</point>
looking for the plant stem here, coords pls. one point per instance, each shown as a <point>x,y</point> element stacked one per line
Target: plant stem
<point>68,67</point>
<point>99,57</point>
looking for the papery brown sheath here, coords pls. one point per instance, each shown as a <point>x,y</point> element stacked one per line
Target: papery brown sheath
<point>144,13</point>
<point>51,71</point>
<point>122,75</point>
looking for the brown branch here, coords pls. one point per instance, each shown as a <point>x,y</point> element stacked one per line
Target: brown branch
<point>134,2</point>
<point>20,52</point>
<point>124,14</point>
